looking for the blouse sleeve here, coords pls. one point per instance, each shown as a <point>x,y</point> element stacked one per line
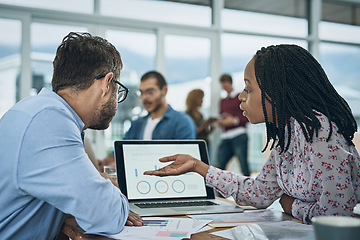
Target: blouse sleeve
<point>259,192</point>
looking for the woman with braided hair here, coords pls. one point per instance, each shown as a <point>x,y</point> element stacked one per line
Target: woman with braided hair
<point>313,166</point>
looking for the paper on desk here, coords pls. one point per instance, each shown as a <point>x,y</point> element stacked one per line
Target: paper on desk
<point>269,231</point>
<point>159,227</point>
<point>227,234</point>
<point>203,229</point>
<point>235,219</point>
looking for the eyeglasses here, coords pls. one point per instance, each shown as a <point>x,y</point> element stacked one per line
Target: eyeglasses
<point>149,92</point>
<point>122,92</point>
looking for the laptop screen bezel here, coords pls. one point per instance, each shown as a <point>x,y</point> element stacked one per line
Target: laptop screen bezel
<point>120,165</point>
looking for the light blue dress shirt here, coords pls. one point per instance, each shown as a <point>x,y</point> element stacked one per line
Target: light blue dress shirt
<point>45,174</point>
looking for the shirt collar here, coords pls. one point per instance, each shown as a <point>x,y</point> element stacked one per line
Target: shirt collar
<point>233,94</point>
<point>167,113</point>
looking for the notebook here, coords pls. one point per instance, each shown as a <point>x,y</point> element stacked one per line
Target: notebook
<point>162,196</point>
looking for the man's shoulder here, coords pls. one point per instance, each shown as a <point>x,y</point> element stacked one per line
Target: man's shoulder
<point>174,113</point>
<point>36,104</point>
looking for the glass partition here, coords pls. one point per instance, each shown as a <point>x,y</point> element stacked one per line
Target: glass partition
<point>137,52</point>
<point>264,23</point>
<point>10,61</point>
<point>160,11</point>
<point>43,50</point>
<point>82,6</point>
<point>187,67</point>
<point>339,32</point>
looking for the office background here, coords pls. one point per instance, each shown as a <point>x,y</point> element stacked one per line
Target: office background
<point>190,41</point>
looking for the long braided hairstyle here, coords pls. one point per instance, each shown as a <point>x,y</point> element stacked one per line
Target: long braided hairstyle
<point>296,85</point>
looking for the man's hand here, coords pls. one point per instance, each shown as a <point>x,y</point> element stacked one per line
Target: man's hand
<point>286,203</point>
<point>108,161</point>
<point>228,121</point>
<point>134,220</point>
<point>105,175</point>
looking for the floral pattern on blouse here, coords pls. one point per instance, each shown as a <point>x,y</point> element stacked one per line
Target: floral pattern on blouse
<point>323,177</point>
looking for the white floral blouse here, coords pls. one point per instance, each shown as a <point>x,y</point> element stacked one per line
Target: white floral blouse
<point>323,177</point>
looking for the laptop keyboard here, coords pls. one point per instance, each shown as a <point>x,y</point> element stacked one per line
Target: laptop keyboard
<point>175,204</point>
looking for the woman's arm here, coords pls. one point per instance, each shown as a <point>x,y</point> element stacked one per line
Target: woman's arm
<point>259,192</point>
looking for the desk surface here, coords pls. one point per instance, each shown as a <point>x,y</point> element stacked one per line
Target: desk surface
<point>73,230</point>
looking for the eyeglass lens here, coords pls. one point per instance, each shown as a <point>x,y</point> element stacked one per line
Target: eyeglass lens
<point>122,95</point>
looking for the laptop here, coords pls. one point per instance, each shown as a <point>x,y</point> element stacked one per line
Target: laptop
<point>164,196</point>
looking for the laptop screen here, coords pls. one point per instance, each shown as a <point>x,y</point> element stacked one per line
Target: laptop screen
<point>133,157</point>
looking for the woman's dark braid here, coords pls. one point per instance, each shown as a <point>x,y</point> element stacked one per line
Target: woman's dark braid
<point>296,85</point>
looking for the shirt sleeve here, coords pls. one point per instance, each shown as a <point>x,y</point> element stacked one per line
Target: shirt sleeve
<point>185,128</point>
<point>259,192</point>
<point>334,178</point>
<point>54,167</point>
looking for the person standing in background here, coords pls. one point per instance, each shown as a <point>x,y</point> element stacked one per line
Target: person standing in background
<point>234,138</point>
<point>194,101</point>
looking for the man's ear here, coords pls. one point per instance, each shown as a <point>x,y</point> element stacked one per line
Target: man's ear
<point>105,84</point>
<point>164,90</point>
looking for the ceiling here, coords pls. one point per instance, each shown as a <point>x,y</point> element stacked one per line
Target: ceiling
<point>338,11</point>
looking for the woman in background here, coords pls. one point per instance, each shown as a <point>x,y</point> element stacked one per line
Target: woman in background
<point>194,102</point>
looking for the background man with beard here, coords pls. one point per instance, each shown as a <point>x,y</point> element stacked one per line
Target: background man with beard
<point>45,172</point>
<point>162,122</point>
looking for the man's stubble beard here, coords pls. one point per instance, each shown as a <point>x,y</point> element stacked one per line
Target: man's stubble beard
<point>103,117</point>
<point>159,102</point>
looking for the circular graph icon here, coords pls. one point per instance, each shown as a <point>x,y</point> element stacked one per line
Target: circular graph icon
<point>178,186</point>
<point>143,187</point>
<point>161,186</point>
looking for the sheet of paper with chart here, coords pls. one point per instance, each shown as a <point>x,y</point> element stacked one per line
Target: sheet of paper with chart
<point>162,228</point>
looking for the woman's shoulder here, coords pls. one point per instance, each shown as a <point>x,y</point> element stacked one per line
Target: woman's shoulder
<point>321,135</point>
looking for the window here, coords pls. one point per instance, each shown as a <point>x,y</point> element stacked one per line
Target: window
<point>237,50</point>
<point>339,32</point>
<point>43,50</point>
<point>160,11</point>
<point>263,23</point>
<point>82,6</point>
<point>137,52</point>
<point>187,67</point>
<point>342,66</point>
<point>10,61</point>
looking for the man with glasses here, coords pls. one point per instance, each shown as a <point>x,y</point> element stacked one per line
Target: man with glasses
<point>162,122</point>
<point>45,172</point>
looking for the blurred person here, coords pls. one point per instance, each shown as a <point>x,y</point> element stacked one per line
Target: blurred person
<point>45,171</point>
<point>204,127</point>
<point>234,138</point>
<point>314,167</point>
<point>162,121</point>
